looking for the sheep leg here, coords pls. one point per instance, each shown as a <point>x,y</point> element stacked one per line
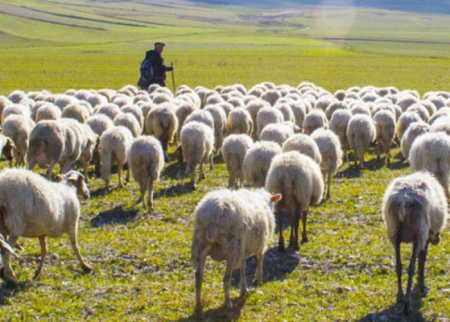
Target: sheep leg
<point>411,269</point>
<point>292,233</point>
<point>241,179</point>
<point>243,280</point>
<point>211,162</point>
<point>226,285</point>
<point>421,272</point>
<point>231,181</point>
<point>379,148</point>
<point>279,215</point>
<point>119,174</point>
<point>142,197</point>
<point>8,273</point>
<point>50,169</point>
<point>165,146</point>
<point>43,256</point>
<point>85,164</point>
<point>304,217</point>
<point>329,186</point>
<point>398,270</point>
<point>150,194</point>
<point>76,249</point>
<point>259,269</point>
<point>201,175</point>
<point>200,267</point>
<point>298,214</point>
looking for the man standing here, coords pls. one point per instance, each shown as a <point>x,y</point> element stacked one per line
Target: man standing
<point>153,70</point>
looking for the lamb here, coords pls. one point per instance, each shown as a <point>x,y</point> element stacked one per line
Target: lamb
<point>115,144</point>
<point>414,130</point>
<point>31,206</point>
<point>298,179</point>
<point>277,132</point>
<point>314,120</point>
<point>18,128</point>
<point>146,160</point>
<point>257,162</point>
<point>234,148</point>
<point>431,152</point>
<point>331,152</point>
<point>415,211</point>
<point>130,122</point>
<point>197,142</point>
<point>303,144</point>
<point>267,115</point>
<point>338,124</point>
<point>239,121</point>
<point>361,132</point>
<point>162,122</point>
<point>385,132</point>
<point>7,148</point>
<point>231,225</point>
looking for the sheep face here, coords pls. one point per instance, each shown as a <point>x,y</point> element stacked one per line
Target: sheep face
<point>75,179</point>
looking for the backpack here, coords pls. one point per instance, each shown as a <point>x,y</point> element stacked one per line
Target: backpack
<point>147,69</point>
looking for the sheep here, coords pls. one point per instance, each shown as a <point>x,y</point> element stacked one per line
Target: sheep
<point>130,122</point>
<point>431,152</point>
<point>63,100</point>
<point>405,120</point>
<point>406,100</point>
<point>115,144</point>
<point>17,96</point>
<point>420,110</point>
<point>277,132</point>
<point>7,148</point>
<point>267,115</point>
<point>77,112</point>
<point>219,125</point>
<point>271,96</point>
<point>162,122</point>
<point>415,211</point>
<point>136,111</point>
<point>338,124</point>
<point>413,131</point>
<point>286,110</point>
<point>98,123</point>
<point>18,128</point>
<point>385,133</point>
<point>331,152</point>
<point>298,179</point>
<point>182,112</point>
<point>361,132</point>
<point>197,142</point>
<point>3,103</point>
<point>201,116</point>
<point>146,160</point>
<point>231,225</point>
<point>111,110</point>
<point>314,120</point>
<point>333,107</point>
<point>303,144</point>
<point>239,121</point>
<point>234,149</point>
<point>445,111</point>
<point>15,109</point>
<point>31,206</point>
<point>257,162</point>
<point>48,111</point>
<point>442,124</point>
<point>253,106</point>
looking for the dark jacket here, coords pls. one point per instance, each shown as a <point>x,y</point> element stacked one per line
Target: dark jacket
<point>159,69</point>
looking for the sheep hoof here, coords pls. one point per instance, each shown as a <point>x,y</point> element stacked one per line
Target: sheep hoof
<point>86,268</point>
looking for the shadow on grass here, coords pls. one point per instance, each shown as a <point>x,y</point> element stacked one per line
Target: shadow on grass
<point>395,311</point>
<point>179,189</point>
<point>116,215</point>
<point>220,313</point>
<point>8,290</point>
<point>175,171</point>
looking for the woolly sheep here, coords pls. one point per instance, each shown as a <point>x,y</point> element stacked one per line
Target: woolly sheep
<point>197,142</point>
<point>182,112</point>
<point>414,130</point>
<point>333,107</point>
<point>405,120</point>
<point>277,132</point>
<point>18,128</point>
<point>331,152</point>
<point>271,96</point>
<point>415,211</point>
<point>286,110</point>
<point>431,152</point>
<point>314,120</point>
<point>231,225</point>
<point>7,148</point>
<point>130,122</point>
<point>219,118</point>
<point>63,100</point>
<point>298,179</point>
<point>136,111</point>
<point>257,162</point>
<point>442,124</point>
<point>146,160</point>
<point>445,111</point>
<point>111,110</point>
<point>234,148</point>
<point>77,112</point>
<point>267,115</point>
<point>15,109</point>
<point>115,144</point>
<point>406,100</point>
<point>31,206</point>
<point>121,100</point>
<point>420,110</point>
<point>338,124</point>
<point>200,116</point>
<point>361,132</point>
<point>17,96</point>
<point>162,122</point>
<point>385,133</point>
<point>239,121</point>
<point>303,144</point>
<point>48,111</point>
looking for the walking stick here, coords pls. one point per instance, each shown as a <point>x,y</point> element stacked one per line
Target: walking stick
<point>173,78</point>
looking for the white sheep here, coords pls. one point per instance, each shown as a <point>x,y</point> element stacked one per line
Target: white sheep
<point>333,107</point>
<point>197,142</point>
<point>77,112</point>
<point>414,130</point>
<point>303,144</point>
<point>111,110</point>
<point>219,118</point>
<point>277,132</point>
<point>298,179</point>
<point>115,144</point>
<point>7,148</point>
<point>47,111</point>
<point>15,109</point>
<point>265,116</point>
<point>361,132</point>
<point>253,106</point>
<point>136,111</point>
<point>32,206</point>
<point>331,152</point>
<point>234,148</point>
<point>385,133</point>
<point>338,124</point>
<point>18,128</point>
<point>257,162</point>
<point>146,160</point>
<point>130,122</point>
<point>182,112</point>
<point>239,121</point>
<point>230,226</point>
<point>201,116</point>
<point>431,152</point>
<point>415,211</point>
<point>314,120</point>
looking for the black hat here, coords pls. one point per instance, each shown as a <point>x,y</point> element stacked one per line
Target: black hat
<point>159,43</point>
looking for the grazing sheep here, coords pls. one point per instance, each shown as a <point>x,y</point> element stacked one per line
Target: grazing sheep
<point>239,121</point>
<point>77,112</point>
<point>257,162</point>
<point>162,122</point>
<point>298,179</point>
<point>331,152</point>
<point>234,149</point>
<point>136,111</point>
<point>445,111</point>
<point>431,152</point>
<point>115,144</point>
<point>219,117</point>
<point>415,211</point>
<point>385,133</point>
<point>406,100</point>
<point>47,111</point>
<point>197,142</point>
<point>146,160</point>
<point>15,109</point>
<point>111,110</point>
<point>182,112</point>
<point>277,132</point>
<point>201,116</point>
<point>421,111</point>
<point>231,225</point>
<point>333,107</point>
<point>442,124</point>
<point>18,128</point>
<point>31,206</point>
<point>314,120</point>
<point>7,148</point>
<point>303,144</point>
<point>361,132</point>
<point>265,116</point>
<point>17,96</point>
<point>414,130</point>
<point>338,124</point>
<point>130,122</point>
<point>253,107</point>
<point>98,123</point>
<point>271,96</point>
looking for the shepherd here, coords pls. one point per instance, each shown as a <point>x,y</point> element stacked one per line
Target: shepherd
<point>153,70</point>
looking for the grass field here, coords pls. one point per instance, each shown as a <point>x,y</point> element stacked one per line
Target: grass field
<point>141,259</point>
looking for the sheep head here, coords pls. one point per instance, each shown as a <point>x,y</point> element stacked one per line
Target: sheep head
<point>76,179</point>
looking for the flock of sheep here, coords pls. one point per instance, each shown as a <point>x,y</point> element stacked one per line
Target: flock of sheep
<point>287,142</point>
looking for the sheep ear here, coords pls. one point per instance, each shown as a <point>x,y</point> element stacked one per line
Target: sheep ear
<point>275,198</point>
<point>59,178</point>
<point>5,246</point>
